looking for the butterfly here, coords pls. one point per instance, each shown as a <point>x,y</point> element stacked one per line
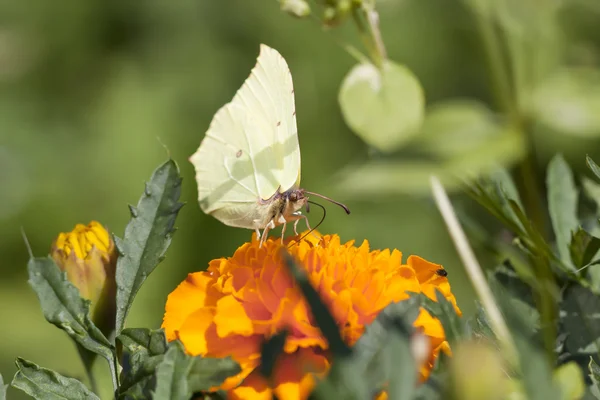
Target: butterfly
<point>248,163</point>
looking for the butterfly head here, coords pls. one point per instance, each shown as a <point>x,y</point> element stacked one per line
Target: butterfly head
<point>295,199</point>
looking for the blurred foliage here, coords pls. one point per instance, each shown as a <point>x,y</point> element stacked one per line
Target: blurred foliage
<point>90,92</point>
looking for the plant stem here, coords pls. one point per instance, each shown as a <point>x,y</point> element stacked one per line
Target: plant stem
<point>507,102</point>
<point>367,22</point>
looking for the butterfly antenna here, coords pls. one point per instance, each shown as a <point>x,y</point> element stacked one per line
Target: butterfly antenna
<point>328,199</point>
<point>319,224</point>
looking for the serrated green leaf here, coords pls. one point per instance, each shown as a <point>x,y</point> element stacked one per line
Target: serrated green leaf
<point>322,315</point>
<point>63,307</point>
<point>385,107</point>
<point>373,360</point>
<point>45,384</point>
<point>594,374</point>
<point>210,372</point>
<point>147,235</point>
<point>179,375</point>
<point>569,380</point>
<point>562,205</point>
<point>172,373</point>
<point>3,388</point>
<point>580,319</point>
<point>592,166</point>
<point>142,350</point>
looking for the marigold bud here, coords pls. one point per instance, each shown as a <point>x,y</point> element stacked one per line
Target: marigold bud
<point>87,254</point>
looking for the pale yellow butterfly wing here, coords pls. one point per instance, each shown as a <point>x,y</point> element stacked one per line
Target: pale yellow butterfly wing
<point>251,147</point>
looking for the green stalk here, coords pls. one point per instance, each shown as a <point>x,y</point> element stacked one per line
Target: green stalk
<point>508,102</point>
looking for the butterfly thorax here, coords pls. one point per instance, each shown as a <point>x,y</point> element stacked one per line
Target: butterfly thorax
<point>283,207</point>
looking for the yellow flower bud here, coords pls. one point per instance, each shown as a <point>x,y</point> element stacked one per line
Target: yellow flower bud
<point>88,256</point>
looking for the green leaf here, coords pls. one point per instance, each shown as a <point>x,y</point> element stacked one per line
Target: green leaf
<point>594,374</point>
<point>3,388</point>
<point>583,247</point>
<point>443,310</point>
<point>63,307</point>
<point>384,107</point>
<point>592,191</point>
<point>569,100</point>
<point>467,134</point>
<point>517,296</point>
<point>142,350</point>
<point>569,380</point>
<point>579,318</point>
<point>147,235</point>
<point>383,352</point>
<point>45,384</point>
<point>210,372</point>
<point>179,375</point>
<point>479,325</point>
<point>171,374</point>
<point>322,315</point>
<point>562,205</point>
<point>592,166</point>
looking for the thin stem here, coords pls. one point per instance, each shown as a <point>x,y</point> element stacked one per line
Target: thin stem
<point>373,20</point>
<point>507,101</point>
<point>473,268</point>
<point>365,35</point>
<point>114,372</point>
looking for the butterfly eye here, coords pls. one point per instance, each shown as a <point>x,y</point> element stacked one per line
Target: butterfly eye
<point>293,197</point>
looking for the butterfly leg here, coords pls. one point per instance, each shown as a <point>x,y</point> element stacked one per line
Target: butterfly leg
<point>265,234</point>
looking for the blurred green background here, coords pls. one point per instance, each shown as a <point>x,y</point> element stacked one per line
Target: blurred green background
<point>90,90</point>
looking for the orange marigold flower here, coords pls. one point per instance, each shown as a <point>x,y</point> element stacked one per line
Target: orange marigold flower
<point>230,308</point>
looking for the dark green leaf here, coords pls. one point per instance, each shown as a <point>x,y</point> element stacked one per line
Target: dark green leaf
<point>443,310</point>
<point>172,374</point>
<point>322,316</point>
<point>45,384</point>
<point>63,307</point>
<point>562,205</point>
<point>516,295</point>
<point>583,247</point>
<point>179,375</point>
<point>142,350</point>
<point>479,325</point>
<point>270,351</point>
<point>147,235</point>
<point>401,364</point>
<point>592,166</point>
<point>3,388</point>
<point>210,372</point>
<point>580,319</point>
<point>373,359</point>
